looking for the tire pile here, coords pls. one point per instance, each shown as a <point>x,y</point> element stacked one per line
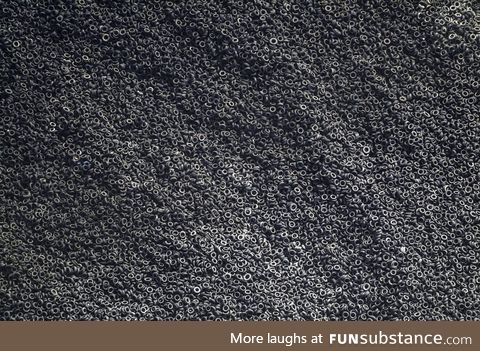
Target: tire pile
<point>240,160</point>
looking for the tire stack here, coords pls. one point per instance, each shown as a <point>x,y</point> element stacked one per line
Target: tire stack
<point>239,160</point>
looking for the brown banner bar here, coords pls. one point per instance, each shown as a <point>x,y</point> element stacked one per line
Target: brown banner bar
<point>241,336</point>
